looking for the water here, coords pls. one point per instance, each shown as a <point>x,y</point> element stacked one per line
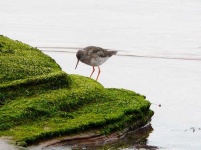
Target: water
<point>159,56</point>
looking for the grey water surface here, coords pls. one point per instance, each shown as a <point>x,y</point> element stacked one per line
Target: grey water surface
<point>159,44</point>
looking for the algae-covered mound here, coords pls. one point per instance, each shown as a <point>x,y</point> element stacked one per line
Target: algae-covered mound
<point>39,101</point>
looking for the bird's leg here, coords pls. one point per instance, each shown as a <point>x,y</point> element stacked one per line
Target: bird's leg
<point>98,73</point>
<point>92,71</point>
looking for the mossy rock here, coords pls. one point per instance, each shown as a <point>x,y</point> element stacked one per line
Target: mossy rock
<point>21,61</point>
<point>39,101</point>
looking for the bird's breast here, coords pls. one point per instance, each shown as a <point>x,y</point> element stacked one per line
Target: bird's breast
<point>98,61</point>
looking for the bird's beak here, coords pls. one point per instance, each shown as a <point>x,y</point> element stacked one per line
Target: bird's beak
<point>77,63</point>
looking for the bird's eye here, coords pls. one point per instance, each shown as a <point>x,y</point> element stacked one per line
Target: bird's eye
<point>81,56</point>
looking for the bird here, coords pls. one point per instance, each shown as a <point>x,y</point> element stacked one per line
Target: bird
<point>94,56</point>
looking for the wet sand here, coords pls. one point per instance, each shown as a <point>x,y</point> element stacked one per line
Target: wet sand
<point>5,145</point>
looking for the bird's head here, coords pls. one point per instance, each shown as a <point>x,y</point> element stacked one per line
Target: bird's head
<point>80,56</point>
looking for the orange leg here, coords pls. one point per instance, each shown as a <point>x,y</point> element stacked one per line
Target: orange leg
<point>92,71</point>
<point>98,73</point>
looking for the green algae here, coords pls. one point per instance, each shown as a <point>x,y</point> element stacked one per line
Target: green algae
<point>50,103</point>
<point>20,61</point>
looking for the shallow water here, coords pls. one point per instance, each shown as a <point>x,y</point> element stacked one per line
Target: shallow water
<point>159,56</point>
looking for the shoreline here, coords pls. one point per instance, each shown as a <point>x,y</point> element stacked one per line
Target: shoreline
<point>91,139</point>
<point>88,139</point>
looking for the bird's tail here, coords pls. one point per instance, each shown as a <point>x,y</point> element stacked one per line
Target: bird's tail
<point>112,53</point>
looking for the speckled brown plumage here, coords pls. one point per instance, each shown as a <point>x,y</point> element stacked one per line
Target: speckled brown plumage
<point>94,56</point>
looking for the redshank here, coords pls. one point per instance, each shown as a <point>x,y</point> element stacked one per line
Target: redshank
<point>94,56</point>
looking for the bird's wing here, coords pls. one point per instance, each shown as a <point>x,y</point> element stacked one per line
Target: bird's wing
<point>98,51</point>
